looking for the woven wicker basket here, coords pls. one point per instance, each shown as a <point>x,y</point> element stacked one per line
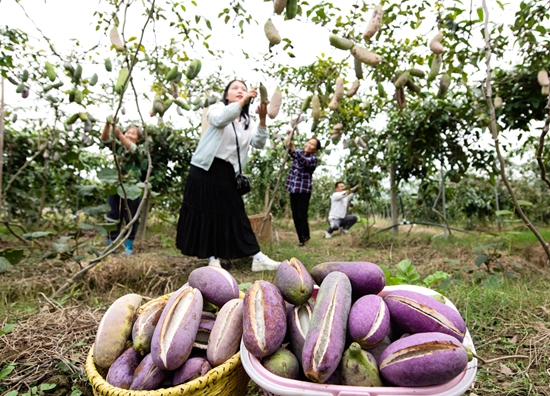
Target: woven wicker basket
<point>228,379</point>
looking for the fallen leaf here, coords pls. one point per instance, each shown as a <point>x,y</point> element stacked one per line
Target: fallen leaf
<point>514,340</point>
<point>506,370</point>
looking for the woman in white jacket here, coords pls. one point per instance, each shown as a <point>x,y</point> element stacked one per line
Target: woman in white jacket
<point>213,223</point>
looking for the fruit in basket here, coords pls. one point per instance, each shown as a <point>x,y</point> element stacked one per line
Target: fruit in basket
<point>205,328</point>
<point>365,277</point>
<point>144,326</point>
<point>359,367</point>
<point>298,318</point>
<point>216,285</point>
<point>148,376</point>
<point>326,336</point>
<point>115,329</point>
<point>282,363</point>
<point>121,372</point>
<point>417,313</point>
<point>264,319</point>
<point>177,327</point>
<point>369,321</point>
<point>193,368</point>
<point>423,359</point>
<point>294,282</point>
<point>226,334</point>
<point>376,351</point>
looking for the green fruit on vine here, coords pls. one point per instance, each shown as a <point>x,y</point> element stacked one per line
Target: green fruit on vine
<point>358,66</point>
<point>13,80</point>
<point>77,73</point>
<point>50,71</point>
<point>71,96</point>
<point>25,76</point>
<point>14,117</point>
<point>444,84</point>
<point>182,103</point>
<point>158,106</point>
<point>83,116</point>
<point>166,105</point>
<point>178,77</point>
<point>436,65</point>
<point>67,66</point>
<point>340,42</point>
<point>178,110</point>
<point>306,104</point>
<point>78,96</point>
<point>72,119</point>
<point>93,80</point>
<point>401,80</point>
<point>51,99</point>
<point>56,85</point>
<point>381,91</point>
<point>171,75</point>
<point>263,93</point>
<point>120,85</point>
<point>20,88</point>
<point>108,64</point>
<point>291,9</point>
<point>193,69</point>
<point>417,73</point>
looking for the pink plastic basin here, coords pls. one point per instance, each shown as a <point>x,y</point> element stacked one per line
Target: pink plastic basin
<point>280,386</point>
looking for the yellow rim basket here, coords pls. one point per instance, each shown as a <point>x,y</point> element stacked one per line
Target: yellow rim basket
<point>228,379</point>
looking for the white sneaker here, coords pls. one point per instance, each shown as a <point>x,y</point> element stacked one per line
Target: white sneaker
<point>215,263</point>
<point>264,264</point>
<point>344,231</point>
<point>328,235</point>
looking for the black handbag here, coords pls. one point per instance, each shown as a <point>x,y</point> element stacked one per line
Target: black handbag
<point>243,185</point>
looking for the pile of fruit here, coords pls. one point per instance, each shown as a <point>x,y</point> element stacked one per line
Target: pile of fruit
<point>343,333</point>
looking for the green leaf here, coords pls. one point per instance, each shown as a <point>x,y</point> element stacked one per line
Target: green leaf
<point>480,14</point>
<point>132,191</point>
<point>521,202</point>
<point>208,24</point>
<point>6,371</point>
<point>4,265</point>
<point>37,235</point>
<point>86,190</point>
<point>12,393</point>
<point>45,386</point>
<point>86,226</point>
<point>14,256</point>
<point>7,328</point>
<point>76,392</point>
<point>481,259</point>
<point>96,211</point>
<point>245,286</point>
<point>503,212</point>
<point>404,265</point>
<point>108,175</point>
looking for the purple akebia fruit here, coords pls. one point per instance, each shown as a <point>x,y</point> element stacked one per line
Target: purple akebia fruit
<point>282,363</point>
<point>366,278</point>
<point>369,321</point>
<point>205,328</point>
<point>115,329</point>
<point>144,326</point>
<point>216,285</point>
<point>359,367</point>
<point>177,328</point>
<point>193,368</point>
<point>226,334</point>
<point>417,313</point>
<point>376,351</point>
<point>298,318</point>
<point>423,359</point>
<point>148,376</point>
<point>326,337</point>
<point>264,319</point>
<point>294,282</point>
<point>121,372</point>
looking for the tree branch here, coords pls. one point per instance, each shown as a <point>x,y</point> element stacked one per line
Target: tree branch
<point>494,131</point>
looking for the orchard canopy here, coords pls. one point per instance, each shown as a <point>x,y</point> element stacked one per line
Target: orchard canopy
<point>393,85</point>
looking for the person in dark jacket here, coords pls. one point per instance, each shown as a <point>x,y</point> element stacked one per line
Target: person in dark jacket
<point>299,184</point>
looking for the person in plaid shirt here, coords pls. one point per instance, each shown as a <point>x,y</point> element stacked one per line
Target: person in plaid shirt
<point>299,182</point>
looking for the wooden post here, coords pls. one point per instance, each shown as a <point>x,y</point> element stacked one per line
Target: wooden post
<point>393,200</point>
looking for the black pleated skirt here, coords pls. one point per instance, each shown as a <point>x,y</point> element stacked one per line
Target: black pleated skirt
<point>212,219</point>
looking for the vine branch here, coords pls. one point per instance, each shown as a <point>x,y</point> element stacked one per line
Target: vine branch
<point>494,131</point>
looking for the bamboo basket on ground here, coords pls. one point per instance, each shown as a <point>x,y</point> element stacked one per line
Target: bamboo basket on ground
<point>227,379</point>
<point>266,232</point>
